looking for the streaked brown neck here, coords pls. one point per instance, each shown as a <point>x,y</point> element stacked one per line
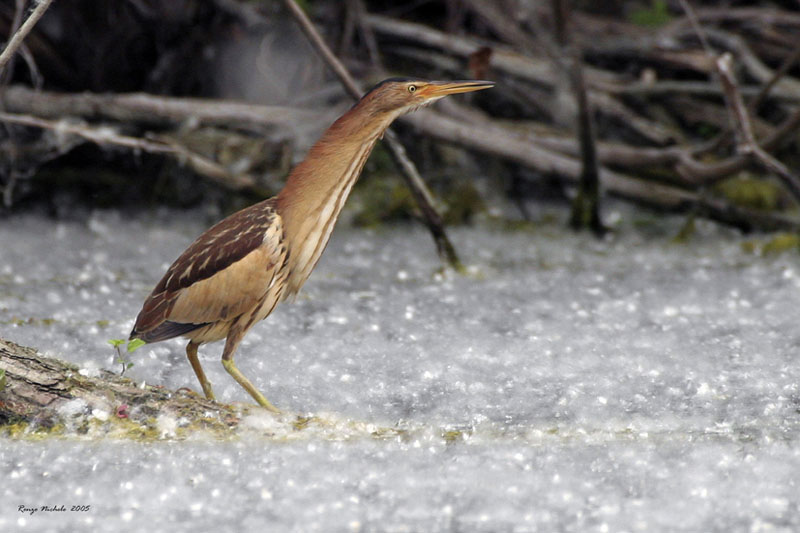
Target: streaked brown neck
<point>317,188</point>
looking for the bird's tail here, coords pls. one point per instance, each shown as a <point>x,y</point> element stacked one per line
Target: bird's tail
<point>165,330</point>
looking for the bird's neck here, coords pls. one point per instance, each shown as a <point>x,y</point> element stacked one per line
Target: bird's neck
<point>317,188</point>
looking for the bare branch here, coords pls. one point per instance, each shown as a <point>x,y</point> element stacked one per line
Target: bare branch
<point>695,23</point>
<point>542,73</point>
<point>357,9</point>
<point>150,109</point>
<point>747,141</point>
<point>788,62</point>
<point>108,136</point>
<point>495,140</point>
<point>16,41</point>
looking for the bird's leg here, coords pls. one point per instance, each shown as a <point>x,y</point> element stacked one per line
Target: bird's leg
<point>231,343</point>
<point>191,353</point>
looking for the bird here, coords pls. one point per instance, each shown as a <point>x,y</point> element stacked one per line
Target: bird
<point>236,272</point>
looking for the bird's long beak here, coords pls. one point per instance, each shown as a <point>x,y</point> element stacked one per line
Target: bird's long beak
<point>437,89</point>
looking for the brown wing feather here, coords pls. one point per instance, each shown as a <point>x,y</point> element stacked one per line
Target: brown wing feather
<point>237,289</point>
<point>222,274</point>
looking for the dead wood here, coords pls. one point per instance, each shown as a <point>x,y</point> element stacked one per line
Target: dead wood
<point>43,392</point>
<point>495,140</point>
<point>662,117</point>
<point>541,72</point>
<point>748,145</point>
<point>105,135</point>
<point>152,110</point>
<point>585,210</point>
<point>19,35</point>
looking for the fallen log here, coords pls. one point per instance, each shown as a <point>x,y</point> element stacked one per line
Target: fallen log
<point>150,109</point>
<point>495,140</point>
<point>44,397</point>
<point>42,394</point>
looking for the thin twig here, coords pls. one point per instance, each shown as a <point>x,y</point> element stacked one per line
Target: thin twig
<point>586,204</point>
<point>698,29</point>
<point>790,60</point>
<point>16,22</point>
<point>414,180</point>
<point>322,49</point>
<point>23,31</point>
<point>370,42</point>
<point>742,125</point>
<point>8,189</point>
<point>744,130</point>
<point>757,68</point>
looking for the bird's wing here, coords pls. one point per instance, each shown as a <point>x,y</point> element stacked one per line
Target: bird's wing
<point>226,272</point>
<point>231,292</point>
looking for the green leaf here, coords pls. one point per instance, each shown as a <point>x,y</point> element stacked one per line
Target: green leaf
<point>116,342</point>
<point>135,344</point>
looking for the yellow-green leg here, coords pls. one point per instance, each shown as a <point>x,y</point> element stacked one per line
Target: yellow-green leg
<point>248,386</point>
<point>191,353</point>
<point>227,361</point>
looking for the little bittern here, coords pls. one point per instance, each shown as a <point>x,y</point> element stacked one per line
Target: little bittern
<point>235,273</point>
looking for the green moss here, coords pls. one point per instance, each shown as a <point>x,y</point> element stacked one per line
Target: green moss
<point>687,230</point>
<point>707,131</point>
<point>380,162</point>
<point>302,422</point>
<point>15,430</point>
<point>780,243</point>
<point>215,425</point>
<point>517,225</point>
<point>384,433</point>
<point>463,202</point>
<point>304,5</point>
<point>751,192</point>
<point>452,436</point>
<point>382,200</point>
<point>30,321</point>
<point>543,222</point>
<point>749,247</point>
<point>777,244</point>
<point>21,429</point>
<point>655,15</point>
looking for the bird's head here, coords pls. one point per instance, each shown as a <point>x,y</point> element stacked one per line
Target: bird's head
<point>401,95</point>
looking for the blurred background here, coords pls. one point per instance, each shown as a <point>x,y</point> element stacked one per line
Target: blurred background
<point>132,104</point>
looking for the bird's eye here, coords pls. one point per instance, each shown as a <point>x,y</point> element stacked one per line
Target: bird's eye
<point>412,88</point>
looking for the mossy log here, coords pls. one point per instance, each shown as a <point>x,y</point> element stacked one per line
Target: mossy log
<point>41,394</point>
<point>43,397</point>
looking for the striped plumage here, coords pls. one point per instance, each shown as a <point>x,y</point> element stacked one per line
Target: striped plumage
<point>227,274</point>
<point>236,272</point>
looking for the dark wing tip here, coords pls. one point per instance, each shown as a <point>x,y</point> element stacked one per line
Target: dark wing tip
<point>165,330</point>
